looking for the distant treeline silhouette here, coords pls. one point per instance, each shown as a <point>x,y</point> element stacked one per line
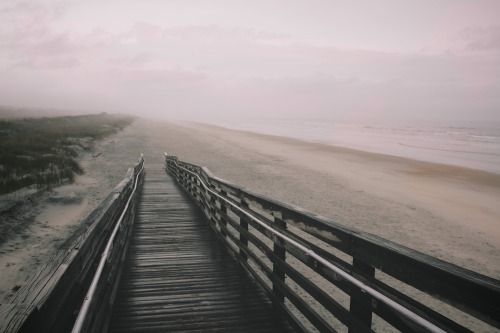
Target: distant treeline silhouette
<point>42,151</point>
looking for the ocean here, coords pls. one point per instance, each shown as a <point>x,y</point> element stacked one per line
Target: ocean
<point>475,146</point>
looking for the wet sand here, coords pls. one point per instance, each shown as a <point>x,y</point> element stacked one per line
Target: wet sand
<point>448,212</point>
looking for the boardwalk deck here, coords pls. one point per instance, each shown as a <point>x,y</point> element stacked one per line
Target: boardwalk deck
<point>179,277</point>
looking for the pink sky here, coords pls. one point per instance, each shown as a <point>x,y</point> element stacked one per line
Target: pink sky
<point>386,59</point>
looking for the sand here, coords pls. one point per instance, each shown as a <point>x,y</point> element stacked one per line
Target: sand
<point>449,212</point>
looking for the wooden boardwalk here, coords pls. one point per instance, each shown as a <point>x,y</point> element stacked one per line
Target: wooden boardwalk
<point>179,277</point>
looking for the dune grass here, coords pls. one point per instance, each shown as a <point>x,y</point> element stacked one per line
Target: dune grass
<point>43,151</point>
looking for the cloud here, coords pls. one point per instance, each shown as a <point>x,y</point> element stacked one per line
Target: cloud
<point>28,39</point>
<point>48,63</point>
<point>214,33</point>
<point>54,44</point>
<point>171,77</point>
<point>482,38</point>
<point>26,21</point>
<point>141,32</point>
<point>33,12</point>
<point>132,61</point>
<point>231,70</point>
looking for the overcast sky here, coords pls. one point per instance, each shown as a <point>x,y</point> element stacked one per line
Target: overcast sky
<point>342,60</point>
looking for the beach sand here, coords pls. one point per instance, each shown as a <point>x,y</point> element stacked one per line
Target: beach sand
<point>448,212</point>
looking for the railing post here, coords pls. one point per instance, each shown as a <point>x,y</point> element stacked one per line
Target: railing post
<point>185,180</point>
<point>213,204</point>
<point>180,177</point>
<point>194,187</point>
<point>223,208</point>
<point>213,200</point>
<point>243,225</point>
<point>193,183</point>
<point>361,302</point>
<point>280,252</point>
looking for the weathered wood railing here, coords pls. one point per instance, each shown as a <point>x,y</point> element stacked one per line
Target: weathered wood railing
<point>51,299</point>
<point>327,277</point>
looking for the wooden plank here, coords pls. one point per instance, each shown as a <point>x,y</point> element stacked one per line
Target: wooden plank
<point>179,276</point>
<point>316,320</point>
<point>323,298</point>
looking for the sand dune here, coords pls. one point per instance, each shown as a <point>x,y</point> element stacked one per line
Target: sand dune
<point>49,218</point>
<point>448,212</point>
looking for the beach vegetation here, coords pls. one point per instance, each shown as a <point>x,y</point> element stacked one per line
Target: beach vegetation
<point>43,152</point>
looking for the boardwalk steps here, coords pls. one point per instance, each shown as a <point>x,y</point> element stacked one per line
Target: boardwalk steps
<point>179,276</point>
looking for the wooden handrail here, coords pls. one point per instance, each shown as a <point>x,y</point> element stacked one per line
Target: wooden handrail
<point>368,256</point>
<point>50,300</point>
<point>87,311</point>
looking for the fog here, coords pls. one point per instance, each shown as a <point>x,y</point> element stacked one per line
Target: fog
<point>208,60</point>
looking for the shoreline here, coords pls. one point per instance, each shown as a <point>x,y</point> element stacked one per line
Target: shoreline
<point>435,168</point>
<point>448,153</point>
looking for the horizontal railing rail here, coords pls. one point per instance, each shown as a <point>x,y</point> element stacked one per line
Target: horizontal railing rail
<point>51,299</point>
<point>325,276</point>
<point>90,316</point>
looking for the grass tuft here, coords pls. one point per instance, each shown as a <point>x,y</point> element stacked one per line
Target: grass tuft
<point>43,151</point>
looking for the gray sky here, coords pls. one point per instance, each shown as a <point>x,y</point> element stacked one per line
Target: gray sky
<point>342,60</point>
